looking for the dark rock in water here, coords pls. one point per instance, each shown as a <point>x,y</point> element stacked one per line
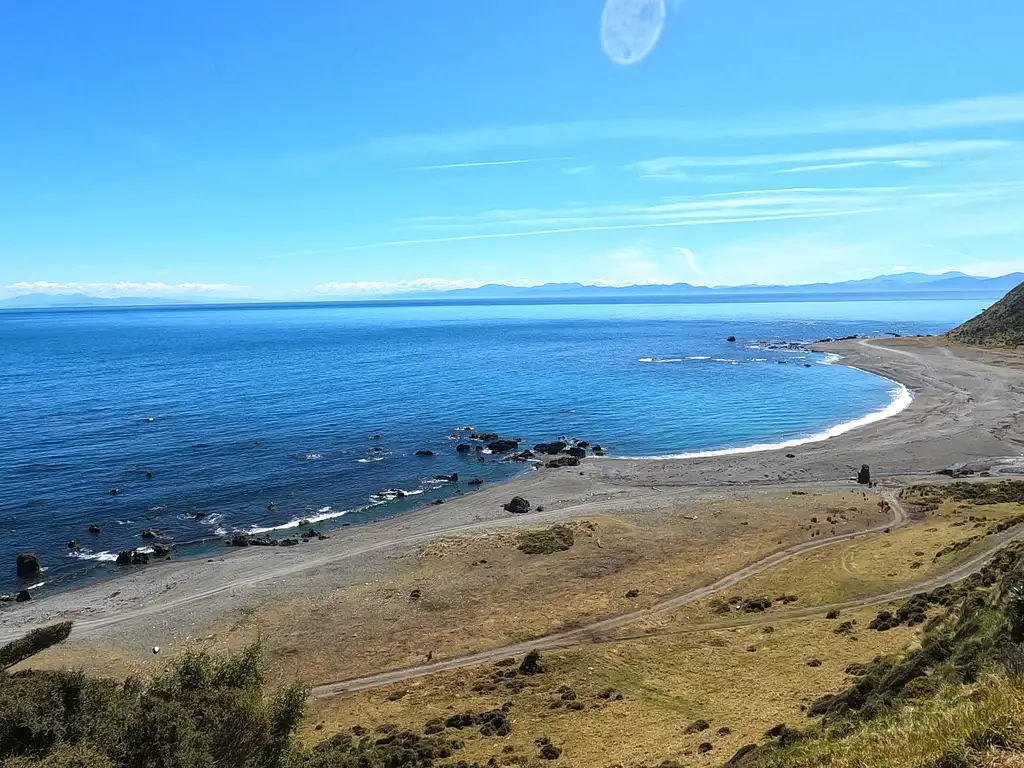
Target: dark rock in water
<point>807,365</point>
<point>484,437</point>
<point>563,461</point>
<point>864,476</point>
<point>124,557</point>
<point>23,597</point>
<point>463,448</point>
<point>160,550</point>
<point>304,522</point>
<point>149,533</point>
<point>112,491</point>
<point>140,558</point>
<point>27,564</point>
<point>582,444</point>
<point>550,448</point>
<point>731,338</point>
<point>439,501</point>
<point>424,452</point>
<point>452,478</point>
<point>518,506</point>
<point>502,446</point>
<point>238,540</point>
<point>521,456</point>
<point>72,544</point>
<point>476,481</point>
<point>197,516</point>
<point>595,448</point>
<point>94,528</point>
<point>576,451</point>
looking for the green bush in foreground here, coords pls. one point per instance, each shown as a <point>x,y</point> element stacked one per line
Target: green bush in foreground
<point>201,711</point>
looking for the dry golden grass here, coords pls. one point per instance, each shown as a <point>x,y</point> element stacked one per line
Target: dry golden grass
<point>666,683</point>
<point>480,592</point>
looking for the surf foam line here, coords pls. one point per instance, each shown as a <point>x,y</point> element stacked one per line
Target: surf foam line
<point>901,400</point>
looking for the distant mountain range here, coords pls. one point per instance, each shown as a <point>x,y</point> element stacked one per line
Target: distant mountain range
<point>903,284</point>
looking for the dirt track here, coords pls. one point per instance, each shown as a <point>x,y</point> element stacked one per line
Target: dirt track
<point>592,633</point>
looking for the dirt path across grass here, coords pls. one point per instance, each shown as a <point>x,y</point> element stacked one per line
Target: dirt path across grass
<point>596,632</point>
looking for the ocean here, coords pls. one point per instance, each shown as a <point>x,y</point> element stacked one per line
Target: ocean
<point>208,421</point>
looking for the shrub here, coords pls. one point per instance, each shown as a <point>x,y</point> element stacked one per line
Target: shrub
<point>557,538</point>
<point>530,664</point>
<point>34,642</point>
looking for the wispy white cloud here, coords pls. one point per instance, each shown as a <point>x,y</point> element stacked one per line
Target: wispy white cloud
<point>487,163</point>
<point>963,113</point>
<point>691,259</point>
<point>578,170</point>
<point>912,152</point>
<point>120,288</point>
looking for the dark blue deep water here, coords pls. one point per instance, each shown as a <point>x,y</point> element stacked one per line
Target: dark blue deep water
<point>231,409</point>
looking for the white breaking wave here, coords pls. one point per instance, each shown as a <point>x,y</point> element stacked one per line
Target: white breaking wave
<point>324,513</point>
<point>371,459</point>
<point>102,557</point>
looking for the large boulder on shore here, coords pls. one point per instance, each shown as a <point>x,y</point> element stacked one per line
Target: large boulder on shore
<point>518,506</point>
<point>27,564</point>
<point>550,448</point>
<point>502,446</point>
<point>23,596</point>
<point>864,476</point>
<point>576,451</point>
<point>563,461</point>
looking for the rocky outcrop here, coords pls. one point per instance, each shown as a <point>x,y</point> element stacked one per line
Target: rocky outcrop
<point>23,596</point>
<point>864,476</point>
<point>161,550</point>
<point>132,557</point>
<point>518,506</point>
<point>425,452</point>
<point>576,451</point>
<point>484,437</point>
<point>563,461</point>
<point>27,564</point>
<point>94,528</point>
<point>551,449</point>
<point>502,446</point>
<point>452,478</point>
<point>475,481</point>
<point>463,448</point>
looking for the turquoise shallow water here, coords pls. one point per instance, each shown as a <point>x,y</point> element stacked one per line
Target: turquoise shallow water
<point>231,409</point>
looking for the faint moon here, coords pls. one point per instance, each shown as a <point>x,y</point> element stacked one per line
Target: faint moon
<point>630,28</point>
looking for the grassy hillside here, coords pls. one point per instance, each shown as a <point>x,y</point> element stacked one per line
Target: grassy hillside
<point>1001,325</point>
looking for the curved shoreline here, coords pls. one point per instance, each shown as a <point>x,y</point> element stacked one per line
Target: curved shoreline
<point>966,406</point>
<point>902,398</point>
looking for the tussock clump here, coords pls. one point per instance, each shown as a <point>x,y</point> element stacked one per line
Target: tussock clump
<point>557,538</point>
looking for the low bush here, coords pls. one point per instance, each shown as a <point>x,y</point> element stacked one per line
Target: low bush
<point>557,538</point>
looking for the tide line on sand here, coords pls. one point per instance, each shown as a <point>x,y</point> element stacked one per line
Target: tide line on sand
<point>901,400</point>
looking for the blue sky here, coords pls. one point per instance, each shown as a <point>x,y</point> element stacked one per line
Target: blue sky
<point>323,149</point>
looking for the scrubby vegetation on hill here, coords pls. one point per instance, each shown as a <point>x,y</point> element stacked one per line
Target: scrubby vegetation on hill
<point>956,700</point>
<point>1001,325</point>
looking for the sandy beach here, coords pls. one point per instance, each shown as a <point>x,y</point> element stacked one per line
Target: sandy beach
<point>968,405</point>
